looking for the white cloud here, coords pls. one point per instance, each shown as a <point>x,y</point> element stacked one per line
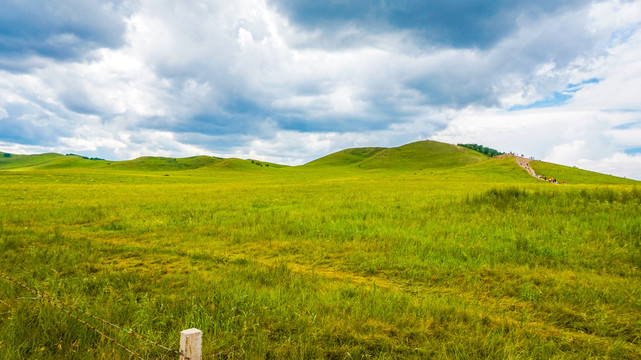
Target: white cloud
<point>568,153</point>
<point>619,164</point>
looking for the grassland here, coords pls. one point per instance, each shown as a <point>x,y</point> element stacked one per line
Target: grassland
<point>470,258</point>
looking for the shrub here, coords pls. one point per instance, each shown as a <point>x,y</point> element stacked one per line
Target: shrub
<point>482,149</point>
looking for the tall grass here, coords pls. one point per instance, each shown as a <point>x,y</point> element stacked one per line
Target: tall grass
<point>338,264</point>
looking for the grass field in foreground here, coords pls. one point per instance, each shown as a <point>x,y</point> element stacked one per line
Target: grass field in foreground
<point>480,261</point>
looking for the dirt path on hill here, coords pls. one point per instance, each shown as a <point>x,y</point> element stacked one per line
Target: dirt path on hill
<point>525,164</point>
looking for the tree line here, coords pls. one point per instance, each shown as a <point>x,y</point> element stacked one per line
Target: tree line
<point>482,149</point>
<point>85,157</point>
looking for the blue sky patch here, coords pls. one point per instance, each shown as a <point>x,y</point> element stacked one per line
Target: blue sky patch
<point>576,87</point>
<point>558,98</point>
<point>628,125</point>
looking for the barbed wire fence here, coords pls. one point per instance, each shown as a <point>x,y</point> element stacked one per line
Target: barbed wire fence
<point>70,309</point>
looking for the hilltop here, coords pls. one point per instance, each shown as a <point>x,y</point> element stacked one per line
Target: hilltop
<point>416,155</point>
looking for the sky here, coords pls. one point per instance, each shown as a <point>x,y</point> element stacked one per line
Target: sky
<point>290,81</point>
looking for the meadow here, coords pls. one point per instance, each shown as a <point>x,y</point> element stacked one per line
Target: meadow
<point>459,259</point>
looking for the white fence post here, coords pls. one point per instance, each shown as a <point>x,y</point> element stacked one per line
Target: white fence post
<point>190,344</point>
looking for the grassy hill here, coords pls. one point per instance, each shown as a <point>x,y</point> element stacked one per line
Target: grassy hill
<point>498,170</point>
<point>152,163</point>
<point>416,155</point>
<point>346,157</point>
<point>240,164</point>
<point>54,161</point>
<point>420,156</point>
<point>14,161</point>
<point>71,162</point>
<point>572,175</point>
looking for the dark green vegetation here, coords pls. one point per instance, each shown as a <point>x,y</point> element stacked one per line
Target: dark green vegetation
<point>482,149</point>
<point>410,255</point>
<point>86,157</point>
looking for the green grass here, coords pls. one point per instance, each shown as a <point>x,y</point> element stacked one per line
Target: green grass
<point>475,260</point>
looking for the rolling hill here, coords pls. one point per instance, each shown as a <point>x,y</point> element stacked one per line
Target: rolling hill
<point>346,157</point>
<point>13,161</point>
<point>416,156</point>
<point>152,163</point>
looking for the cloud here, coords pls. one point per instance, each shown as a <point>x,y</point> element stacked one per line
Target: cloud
<point>61,30</point>
<point>457,23</point>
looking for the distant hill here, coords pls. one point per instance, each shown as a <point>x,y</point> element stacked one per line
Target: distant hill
<point>416,155</point>
<point>240,164</point>
<point>153,163</point>
<point>438,158</point>
<point>13,161</point>
<point>146,163</point>
<point>423,154</point>
<point>346,157</point>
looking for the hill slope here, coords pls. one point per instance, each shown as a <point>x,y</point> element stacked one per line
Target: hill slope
<point>573,175</point>
<point>13,161</point>
<point>346,157</point>
<point>423,154</point>
<point>416,155</point>
<point>152,163</point>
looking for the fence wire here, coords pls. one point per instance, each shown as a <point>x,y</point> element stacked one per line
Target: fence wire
<point>65,307</point>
